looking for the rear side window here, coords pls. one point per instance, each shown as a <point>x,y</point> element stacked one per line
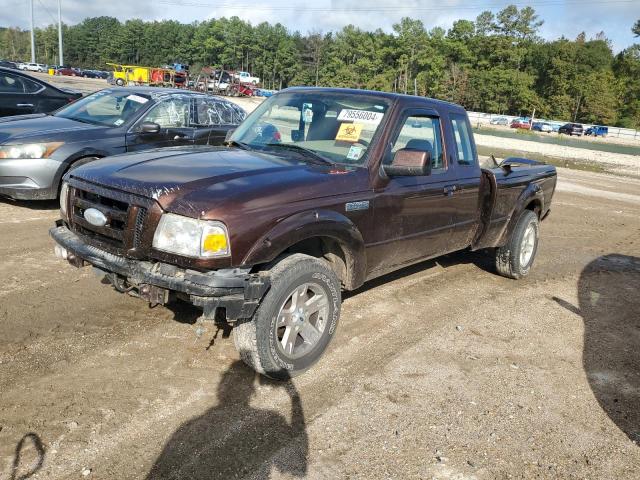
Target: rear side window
<point>463,139</point>
<point>30,86</point>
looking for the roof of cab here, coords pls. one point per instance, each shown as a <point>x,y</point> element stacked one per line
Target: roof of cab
<point>396,97</point>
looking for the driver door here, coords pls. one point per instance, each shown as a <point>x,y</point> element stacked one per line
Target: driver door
<point>173,115</point>
<point>414,215</point>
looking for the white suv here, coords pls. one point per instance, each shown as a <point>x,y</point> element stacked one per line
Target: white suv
<point>32,67</point>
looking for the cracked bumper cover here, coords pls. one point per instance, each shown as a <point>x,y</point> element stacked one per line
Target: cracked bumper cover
<point>235,290</point>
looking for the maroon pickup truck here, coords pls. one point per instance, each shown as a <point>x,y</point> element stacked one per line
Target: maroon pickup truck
<point>317,191</point>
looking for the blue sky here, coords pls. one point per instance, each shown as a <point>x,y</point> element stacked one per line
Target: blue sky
<point>568,17</point>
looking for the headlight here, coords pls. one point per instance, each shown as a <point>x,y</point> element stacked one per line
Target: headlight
<point>190,237</point>
<point>64,193</point>
<point>29,150</point>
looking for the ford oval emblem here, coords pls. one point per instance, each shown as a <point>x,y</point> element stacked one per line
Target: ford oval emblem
<point>95,217</point>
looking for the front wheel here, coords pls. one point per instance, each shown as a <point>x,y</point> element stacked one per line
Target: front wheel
<point>295,321</point>
<point>514,259</point>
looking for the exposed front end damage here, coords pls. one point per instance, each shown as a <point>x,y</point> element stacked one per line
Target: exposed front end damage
<point>227,294</point>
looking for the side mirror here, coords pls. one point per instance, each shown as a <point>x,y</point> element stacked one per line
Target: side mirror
<point>149,127</point>
<point>228,135</point>
<point>408,162</point>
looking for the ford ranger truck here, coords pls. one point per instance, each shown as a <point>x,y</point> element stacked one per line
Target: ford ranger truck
<point>318,191</point>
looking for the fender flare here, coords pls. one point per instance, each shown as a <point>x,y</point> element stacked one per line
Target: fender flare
<point>532,194</point>
<point>314,224</point>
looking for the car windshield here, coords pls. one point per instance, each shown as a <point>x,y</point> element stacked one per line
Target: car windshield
<point>333,127</point>
<point>110,108</point>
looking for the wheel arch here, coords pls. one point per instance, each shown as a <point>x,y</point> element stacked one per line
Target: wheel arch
<point>531,198</point>
<point>66,165</point>
<point>322,234</point>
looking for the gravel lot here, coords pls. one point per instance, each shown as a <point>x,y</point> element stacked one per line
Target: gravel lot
<point>443,370</point>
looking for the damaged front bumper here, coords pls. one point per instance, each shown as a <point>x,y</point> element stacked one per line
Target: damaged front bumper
<point>236,291</point>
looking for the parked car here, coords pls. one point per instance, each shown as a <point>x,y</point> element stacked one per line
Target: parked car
<point>499,121</point>
<point>89,74</point>
<point>597,131</point>
<point>318,190</point>
<point>68,71</point>
<point>32,67</point>
<point>542,127</point>
<point>246,77</point>
<point>22,94</point>
<point>521,123</point>
<point>8,64</point>
<point>36,150</point>
<point>571,129</point>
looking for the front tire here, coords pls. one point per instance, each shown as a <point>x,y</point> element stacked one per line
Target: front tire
<point>295,321</point>
<point>514,259</point>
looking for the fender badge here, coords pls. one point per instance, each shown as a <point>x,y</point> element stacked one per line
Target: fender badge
<point>354,206</point>
<point>95,217</point>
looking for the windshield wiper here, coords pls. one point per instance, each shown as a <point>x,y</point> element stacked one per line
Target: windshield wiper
<point>84,120</point>
<point>306,151</point>
<point>235,143</point>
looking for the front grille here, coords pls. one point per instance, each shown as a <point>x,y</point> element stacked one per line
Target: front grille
<point>116,211</point>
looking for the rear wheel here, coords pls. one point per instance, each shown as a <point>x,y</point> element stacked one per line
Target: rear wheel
<point>119,82</point>
<point>295,321</point>
<point>514,259</point>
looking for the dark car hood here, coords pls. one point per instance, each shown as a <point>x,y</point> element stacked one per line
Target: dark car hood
<point>199,182</point>
<point>38,127</point>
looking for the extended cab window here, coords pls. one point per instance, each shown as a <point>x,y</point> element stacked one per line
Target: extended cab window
<point>463,139</point>
<point>421,133</point>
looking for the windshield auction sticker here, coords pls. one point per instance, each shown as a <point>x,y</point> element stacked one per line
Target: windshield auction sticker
<point>360,116</point>
<point>349,132</point>
<point>137,98</point>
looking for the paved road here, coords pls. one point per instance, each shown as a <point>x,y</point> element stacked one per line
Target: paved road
<point>443,370</point>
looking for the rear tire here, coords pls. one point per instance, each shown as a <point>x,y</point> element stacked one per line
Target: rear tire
<point>120,82</point>
<point>514,259</point>
<point>290,330</point>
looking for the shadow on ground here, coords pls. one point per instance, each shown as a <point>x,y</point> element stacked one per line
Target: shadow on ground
<point>609,303</point>
<point>234,439</point>
<point>28,457</point>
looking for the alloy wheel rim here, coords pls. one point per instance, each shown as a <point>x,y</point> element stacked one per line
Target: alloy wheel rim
<point>301,321</point>
<point>528,245</point>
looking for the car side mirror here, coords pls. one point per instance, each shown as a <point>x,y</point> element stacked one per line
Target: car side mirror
<point>407,162</point>
<point>149,127</point>
<point>227,137</point>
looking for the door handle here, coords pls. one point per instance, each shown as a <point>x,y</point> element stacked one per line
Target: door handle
<point>25,105</point>
<point>179,136</point>
<point>449,190</point>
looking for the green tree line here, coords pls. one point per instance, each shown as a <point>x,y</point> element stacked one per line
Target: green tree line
<point>497,63</point>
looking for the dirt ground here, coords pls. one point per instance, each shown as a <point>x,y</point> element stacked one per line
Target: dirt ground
<point>443,370</point>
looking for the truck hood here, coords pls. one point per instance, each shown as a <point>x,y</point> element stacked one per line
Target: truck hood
<point>203,182</point>
<point>39,128</point>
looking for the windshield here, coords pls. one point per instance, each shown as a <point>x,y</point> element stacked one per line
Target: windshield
<point>106,107</point>
<point>337,127</point>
